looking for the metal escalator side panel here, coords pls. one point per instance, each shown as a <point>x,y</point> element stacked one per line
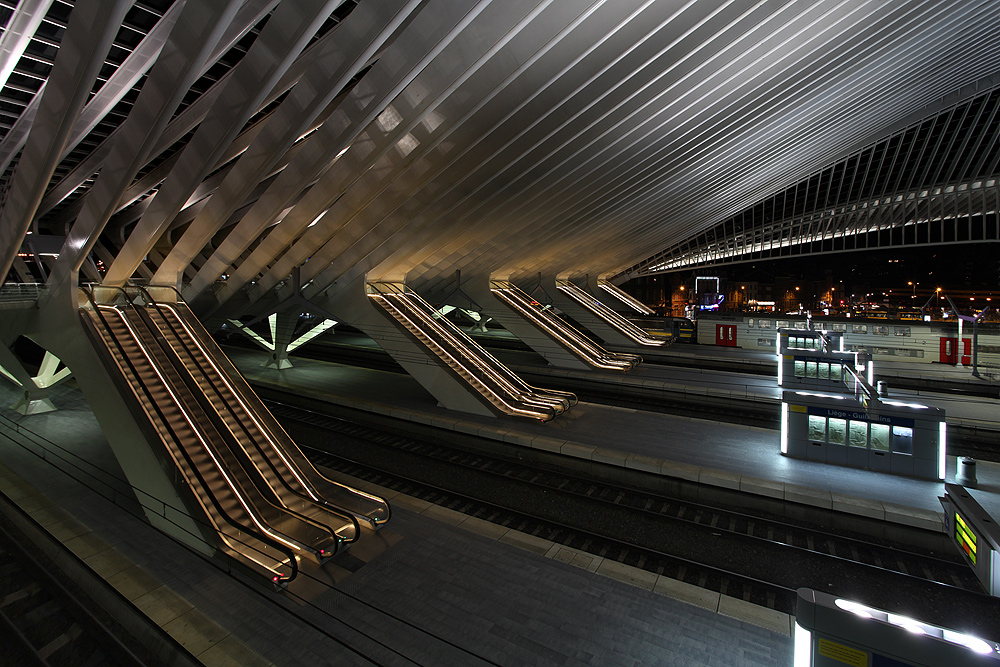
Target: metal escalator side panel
<point>607,315</point>
<point>349,506</point>
<point>305,537</point>
<point>461,358</point>
<point>234,538</point>
<point>246,432</point>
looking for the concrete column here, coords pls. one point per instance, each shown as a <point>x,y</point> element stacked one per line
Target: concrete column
<point>351,303</point>
<point>282,332</point>
<point>57,327</point>
<point>34,398</point>
<point>607,333</point>
<point>478,288</point>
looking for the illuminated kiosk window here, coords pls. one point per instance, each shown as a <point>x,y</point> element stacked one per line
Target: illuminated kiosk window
<point>817,428</point>
<point>880,437</point>
<point>811,370</point>
<point>902,439</point>
<point>857,434</point>
<point>824,371</point>
<point>836,372</point>
<point>838,431</point>
<point>800,369</point>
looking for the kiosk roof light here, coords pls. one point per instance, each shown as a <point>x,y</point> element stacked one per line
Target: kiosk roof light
<point>917,627</point>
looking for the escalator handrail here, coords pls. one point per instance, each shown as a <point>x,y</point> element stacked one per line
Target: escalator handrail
<point>266,539</point>
<point>266,422</point>
<point>498,371</point>
<point>555,327</point>
<point>260,427</point>
<point>437,338</point>
<point>627,361</point>
<point>605,313</point>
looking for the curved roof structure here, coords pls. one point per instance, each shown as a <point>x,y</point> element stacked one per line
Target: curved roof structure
<point>218,146</point>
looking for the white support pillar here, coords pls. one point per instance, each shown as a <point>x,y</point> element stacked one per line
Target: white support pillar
<point>478,288</point>
<point>351,302</point>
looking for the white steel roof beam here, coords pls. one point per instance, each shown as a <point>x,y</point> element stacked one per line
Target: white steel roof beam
<point>344,51</point>
<point>285,35</point>
<point>429,32</point>
<point>18,34</point>
<point>251,12</point>
<point>198,28</point>
<point>92,28</point>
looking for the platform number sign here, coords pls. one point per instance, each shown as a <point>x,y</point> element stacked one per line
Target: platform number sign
<point>965,537</point>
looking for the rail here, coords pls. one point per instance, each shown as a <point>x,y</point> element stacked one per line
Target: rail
<point>297,485</point>
<point>609,316</point>
<point>560,331</point>
<point>466,358</point>
<point>625,297</point>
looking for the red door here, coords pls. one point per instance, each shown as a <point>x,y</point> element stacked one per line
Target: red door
<point>949,350</point>
<point>725,335</point>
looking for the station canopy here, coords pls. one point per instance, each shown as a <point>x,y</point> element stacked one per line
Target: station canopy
<point>218,146</point>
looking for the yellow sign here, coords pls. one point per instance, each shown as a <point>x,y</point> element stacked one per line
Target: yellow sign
<point>798,408</point>
<point>844,654</point>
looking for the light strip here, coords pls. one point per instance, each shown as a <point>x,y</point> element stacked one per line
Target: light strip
<point>211,511</point>
<point>607,315</point>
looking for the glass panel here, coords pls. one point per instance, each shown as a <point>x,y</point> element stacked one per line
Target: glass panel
<point>817,428</point>
<point>838,431</point>
<point>810,369</point>
<point>824,371</point>
<point>764,324</point>
<point>800,369</point>
<point>836,371</point>
<point>859,328</point>
<point>858,434</point>
<point>750,323</point>
<point>880,437</point>
<point>902,439</point>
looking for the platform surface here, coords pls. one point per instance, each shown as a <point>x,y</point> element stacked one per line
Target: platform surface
<point>719,454</point>
<point>425,591</point>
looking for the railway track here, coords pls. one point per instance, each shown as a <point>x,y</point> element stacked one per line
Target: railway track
<point>43,623</point>
<point>962,441</point>
<point>753,557</point>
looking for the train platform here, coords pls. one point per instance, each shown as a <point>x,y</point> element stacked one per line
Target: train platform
<point>729,456</point>
<point>691,378</point>
<point>431,588</point>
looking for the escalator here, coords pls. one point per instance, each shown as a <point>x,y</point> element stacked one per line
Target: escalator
<point>210,445</point>
<point>625,297</point>
<point>500,388</point>
<point>558,330</point>
<point>607,315</point>
<point>291,477</point>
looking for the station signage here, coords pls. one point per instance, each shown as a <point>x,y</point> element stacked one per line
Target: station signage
<point>861,416</point>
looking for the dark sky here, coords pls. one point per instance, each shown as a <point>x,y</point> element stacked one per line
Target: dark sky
<point>972,266</point>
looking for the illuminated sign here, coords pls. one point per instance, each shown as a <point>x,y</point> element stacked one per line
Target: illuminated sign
<point>965,537</point>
